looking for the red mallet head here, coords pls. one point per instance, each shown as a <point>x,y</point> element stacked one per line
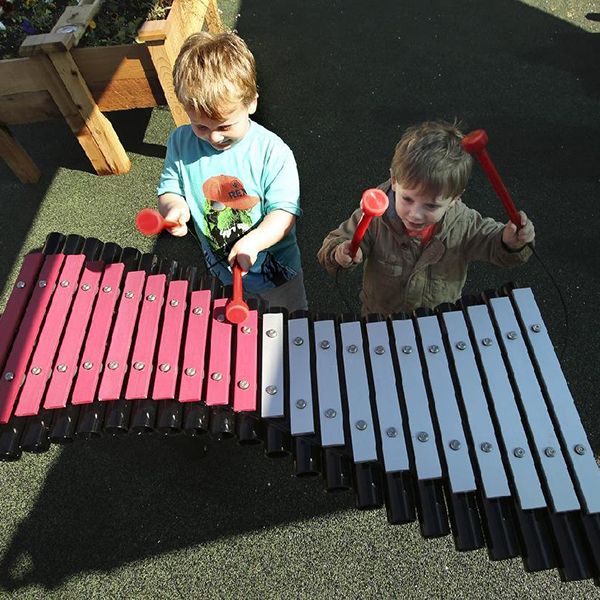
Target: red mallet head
<point>374,202</point>
<point>151,222</point>
<point>236,312</point>
<point>475,141</point>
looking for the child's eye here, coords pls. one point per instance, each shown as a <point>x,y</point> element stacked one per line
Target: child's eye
<point>225,128</point>
<point>407,200</point>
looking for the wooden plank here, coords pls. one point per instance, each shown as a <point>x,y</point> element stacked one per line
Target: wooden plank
<point>214,24</point>
<point>152,31</point>
<point>93,130</point>
<point>27,107</point>
<point>163,63</point>
<point>19,75</point>
<point>67,31</point>
<point>120,77</point>
<point>16,158</point>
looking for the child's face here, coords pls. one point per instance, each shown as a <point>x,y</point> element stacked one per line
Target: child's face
<point>221,135</point>
<point>418,210</point>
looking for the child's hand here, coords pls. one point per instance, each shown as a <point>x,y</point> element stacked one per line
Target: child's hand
<point>515,238</point>
<point>342,255</point>
<point>178,214</point>
<point>244,252</point>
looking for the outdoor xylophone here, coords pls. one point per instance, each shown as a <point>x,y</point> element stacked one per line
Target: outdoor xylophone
<point>460,417</point>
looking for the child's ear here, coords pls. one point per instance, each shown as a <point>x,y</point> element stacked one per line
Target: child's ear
<point>252,106</point>
<point>393,180</point>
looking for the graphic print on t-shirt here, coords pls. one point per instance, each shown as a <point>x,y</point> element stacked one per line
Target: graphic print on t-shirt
<point>226,211</point>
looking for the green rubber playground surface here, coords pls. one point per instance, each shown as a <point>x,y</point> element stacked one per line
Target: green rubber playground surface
<point>151,517</point>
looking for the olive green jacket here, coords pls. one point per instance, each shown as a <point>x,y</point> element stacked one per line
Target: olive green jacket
<point>399,275</point>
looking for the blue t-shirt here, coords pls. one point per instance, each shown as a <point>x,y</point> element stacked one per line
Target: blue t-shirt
<point>230,191</point>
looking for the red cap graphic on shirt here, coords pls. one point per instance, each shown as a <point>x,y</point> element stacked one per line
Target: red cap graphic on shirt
<point>228,190</point>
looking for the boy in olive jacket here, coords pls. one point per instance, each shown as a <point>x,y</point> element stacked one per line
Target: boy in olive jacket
<point>417,253</point>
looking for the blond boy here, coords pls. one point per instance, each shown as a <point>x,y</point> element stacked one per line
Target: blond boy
<point>236,180</point>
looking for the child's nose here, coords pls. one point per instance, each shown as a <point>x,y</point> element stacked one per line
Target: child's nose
<point>216,136</point>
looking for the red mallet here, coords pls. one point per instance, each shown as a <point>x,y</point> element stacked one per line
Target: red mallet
<point>373,203</point>
<point>236,310</point>
<point>475,143</point>
<point>150,222</point>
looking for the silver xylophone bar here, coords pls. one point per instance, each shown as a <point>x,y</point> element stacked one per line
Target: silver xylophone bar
<point>460,416</point>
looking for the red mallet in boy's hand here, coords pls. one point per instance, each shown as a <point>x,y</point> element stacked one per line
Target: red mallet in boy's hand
<point>236,310</point>
<point>373,203</point>
<point>150,222</point>
<point>475,143</point>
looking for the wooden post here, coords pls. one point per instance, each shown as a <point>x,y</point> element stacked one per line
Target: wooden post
<point>164,39</point>
<point>18,161</point>
<point>74,100</point>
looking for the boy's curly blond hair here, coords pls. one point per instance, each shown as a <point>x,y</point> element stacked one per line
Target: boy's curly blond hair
<point>429,157</point>
<point>213,73</point>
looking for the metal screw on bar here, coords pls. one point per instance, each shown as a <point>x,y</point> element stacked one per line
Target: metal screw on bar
<point>391,432</point>
<point>301,404</point>
<point>550,452</point>
<point>21,284</point>
<point>486,447</point>
<point>43,283</point>
<point>174,303</point>
<point>36,371</point>
<point>519,452</point>
<point>129,295</point>
<point>106,289</point>
<point>165,367</point>
<point>536,328</point>
<point>151,297</point>
<point>246,330</point>
<point>138,365</point>
<point>423,436</point>
<point>579,449</point>
<point>325,345</point>
<point>487,341</point>
<point>243,384</point>
<point>85,287</point>
<point>379,350</point>
<point>271,390</point>
<point>434,349</point>
<point>512,335</point>
<point>197,310</point>
<point>361,425</point>
<point>64,283</point>
<point>330,413</point>
<point>352,349</point>
<point>190,371</point>
<point>216,376</point>
<point>454,445</point>
<point>62,368</point>
<point>298,341</point>
<point>271,333</point>
<point>9,376</point>
<point>113,365</point>
<point>87,365</point>
<point>406,349</point>
<point>221,318</point>
<point>461,345</point>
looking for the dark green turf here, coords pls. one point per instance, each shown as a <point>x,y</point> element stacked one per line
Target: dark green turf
<point>339,81</point>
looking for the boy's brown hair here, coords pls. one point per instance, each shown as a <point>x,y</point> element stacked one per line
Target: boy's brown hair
<point>213,73</point>
<point>429,157</point>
